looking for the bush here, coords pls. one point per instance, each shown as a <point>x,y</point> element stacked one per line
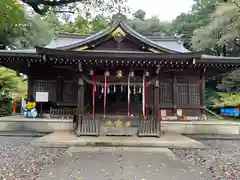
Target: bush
<point>5,103</point>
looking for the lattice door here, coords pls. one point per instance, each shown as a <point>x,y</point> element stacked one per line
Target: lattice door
<point>194,94</point>
<point>70,91</point>
<point>46,86</point>
<point>165,93</point>
<point>183,93</point>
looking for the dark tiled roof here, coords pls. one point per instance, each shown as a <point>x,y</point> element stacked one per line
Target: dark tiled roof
<point>68,40</point>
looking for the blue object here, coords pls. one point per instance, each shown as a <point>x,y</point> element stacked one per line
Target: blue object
<point>30,113</point>
<point>33,112</point>
<point>231,111</point>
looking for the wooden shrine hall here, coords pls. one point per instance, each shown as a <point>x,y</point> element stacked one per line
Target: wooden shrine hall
<point>118,82</point>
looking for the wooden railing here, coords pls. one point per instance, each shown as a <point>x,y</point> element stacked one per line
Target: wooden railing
<point>62,112</point>
<point>149,128</point>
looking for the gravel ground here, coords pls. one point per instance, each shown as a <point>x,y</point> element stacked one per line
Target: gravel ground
<point>121,164</point>
<point>20,161</point>
<point>221,159</point>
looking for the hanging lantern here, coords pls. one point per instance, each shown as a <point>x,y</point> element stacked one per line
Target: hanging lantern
<point>140,90</point>
<point>119,74</point>
<point>147,73</point>
<point>91,72</point>
<point>131,73</point>
<point>107,73</point>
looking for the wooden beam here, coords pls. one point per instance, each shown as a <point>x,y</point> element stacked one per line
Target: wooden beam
<point>114,55</point>
<point>179,106</point>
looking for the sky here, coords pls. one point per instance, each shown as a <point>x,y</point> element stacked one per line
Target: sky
<point>166,10</point>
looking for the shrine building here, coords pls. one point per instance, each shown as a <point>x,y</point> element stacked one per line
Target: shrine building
<point>118,82</point>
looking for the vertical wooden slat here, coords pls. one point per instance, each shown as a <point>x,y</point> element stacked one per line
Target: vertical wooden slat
<point>59,89</point>
<point>30,85</point>
<point>202,90</point>
<point>80,103</point>
<point>174,97</point>
<point>149,127</point>
<point>156,100</point>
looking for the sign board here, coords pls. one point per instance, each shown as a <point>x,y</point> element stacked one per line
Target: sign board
<point>41,96</point>
<point>163,112</point>
<point>179,112</point>
<point>230,111</point>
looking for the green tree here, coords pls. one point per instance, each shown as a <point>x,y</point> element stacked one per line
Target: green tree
<point>83,25</point>
<point>230,82</point>
<point>149,26</point>
<point>20,29</point>
<point>140,14</point>
<point>10,84</point>
<point>9,80</point>
<point>222,31</point>
<point>186,23</point>
<point>12,18</point>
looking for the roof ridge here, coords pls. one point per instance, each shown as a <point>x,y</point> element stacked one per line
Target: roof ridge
<point>154,37</point>
<point>72,35</point>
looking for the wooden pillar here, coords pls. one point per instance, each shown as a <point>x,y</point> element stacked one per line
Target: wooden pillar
<point>202,90</point>
<point>80,99</point>
<point>156,100</point>
<point>80,102</point>
<point>30,86</point>
<point>174,93</point>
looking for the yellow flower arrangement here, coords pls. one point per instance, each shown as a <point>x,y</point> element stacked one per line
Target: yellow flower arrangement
<point>118,123</point>
<point>30,105</point>
<point>128,124</point>
<point>108,123</point>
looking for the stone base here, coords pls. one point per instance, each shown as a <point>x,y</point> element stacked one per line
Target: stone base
<point>47,125</point>
<point>122,131</point>
<point>66,139</point>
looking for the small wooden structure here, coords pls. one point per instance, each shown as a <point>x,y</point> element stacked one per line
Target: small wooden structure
<point>118,82</point>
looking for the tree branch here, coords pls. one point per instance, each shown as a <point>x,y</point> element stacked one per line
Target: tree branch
<point>236,4</point>
<point>237,44</point>
<point>57,3</point>
<point>46,3</point>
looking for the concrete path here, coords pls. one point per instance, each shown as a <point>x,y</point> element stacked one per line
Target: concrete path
<point>109,163</point>
<point>66,139</point>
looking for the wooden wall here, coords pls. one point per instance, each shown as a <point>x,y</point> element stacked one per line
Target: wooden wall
<point>181,90</point>
<point>177,90</point>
